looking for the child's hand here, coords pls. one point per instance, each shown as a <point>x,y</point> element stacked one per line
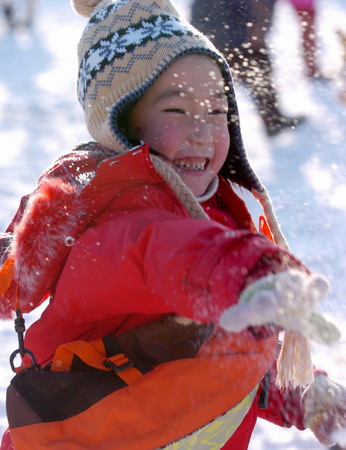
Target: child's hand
<point>287,299</point>
<point>324,404</point>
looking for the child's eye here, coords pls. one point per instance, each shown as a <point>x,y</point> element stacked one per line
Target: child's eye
<point>174,110</point>
<point>215,112</point>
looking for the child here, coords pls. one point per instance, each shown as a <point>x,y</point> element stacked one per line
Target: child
<point>143,230</point>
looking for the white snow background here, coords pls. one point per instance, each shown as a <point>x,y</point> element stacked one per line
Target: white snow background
<point>304,169</point>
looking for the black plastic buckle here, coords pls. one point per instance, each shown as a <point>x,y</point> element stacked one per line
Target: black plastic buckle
<point>111,365</point>
<point>264,396</point>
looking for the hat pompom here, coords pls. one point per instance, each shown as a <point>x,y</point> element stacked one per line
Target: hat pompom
<point>84,7</point>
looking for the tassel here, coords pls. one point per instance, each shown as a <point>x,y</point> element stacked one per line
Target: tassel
<point>294,362</point>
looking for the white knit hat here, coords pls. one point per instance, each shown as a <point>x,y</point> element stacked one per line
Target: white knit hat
<point>125,47</point>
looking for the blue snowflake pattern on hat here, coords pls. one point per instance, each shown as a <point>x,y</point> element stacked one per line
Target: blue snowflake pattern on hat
<point>101,15</point>
<point>115,45</point>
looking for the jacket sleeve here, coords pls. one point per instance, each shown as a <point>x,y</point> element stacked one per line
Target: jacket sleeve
<point>173,264</point>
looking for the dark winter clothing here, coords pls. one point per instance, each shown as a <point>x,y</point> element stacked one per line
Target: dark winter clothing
<point>234,23</point>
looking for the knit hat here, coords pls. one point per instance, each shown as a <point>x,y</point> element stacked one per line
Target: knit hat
<point>125,47</point>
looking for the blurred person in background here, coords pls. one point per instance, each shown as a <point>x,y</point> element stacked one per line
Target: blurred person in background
<point>18,13</point>
<point>239,28</point>
<point>306,10</point>
<point>341,78</point>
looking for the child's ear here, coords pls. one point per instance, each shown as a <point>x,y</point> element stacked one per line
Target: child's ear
<point>126,124</point>
<point>132,131</point>
<point>128,127</point>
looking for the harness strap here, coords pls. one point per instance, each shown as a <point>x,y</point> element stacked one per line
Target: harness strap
<point>94,354</point>
<point>6,275</point>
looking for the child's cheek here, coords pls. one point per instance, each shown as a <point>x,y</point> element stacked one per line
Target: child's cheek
<point>171,133</point>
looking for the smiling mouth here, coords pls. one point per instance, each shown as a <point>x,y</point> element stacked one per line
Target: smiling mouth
<point>194,164</point>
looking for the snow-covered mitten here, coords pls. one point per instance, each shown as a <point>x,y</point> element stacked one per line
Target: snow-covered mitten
<point>287,299</point>
<point>324,406</point>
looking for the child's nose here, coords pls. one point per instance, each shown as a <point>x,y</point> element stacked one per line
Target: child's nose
<point>201,133</point>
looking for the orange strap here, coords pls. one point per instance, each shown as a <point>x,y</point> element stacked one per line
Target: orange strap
<point>264,228</point>
<point>93,354</point>
<point>6,275</point>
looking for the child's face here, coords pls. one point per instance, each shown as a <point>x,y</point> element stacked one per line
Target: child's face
<point>183,116</point>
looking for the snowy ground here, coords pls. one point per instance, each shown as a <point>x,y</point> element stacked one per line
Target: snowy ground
<point>304,170</point>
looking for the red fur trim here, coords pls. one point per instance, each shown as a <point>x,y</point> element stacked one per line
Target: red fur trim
<point>39,245</point>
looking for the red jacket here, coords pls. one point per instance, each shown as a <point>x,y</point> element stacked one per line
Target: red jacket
<point>137,254</point>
